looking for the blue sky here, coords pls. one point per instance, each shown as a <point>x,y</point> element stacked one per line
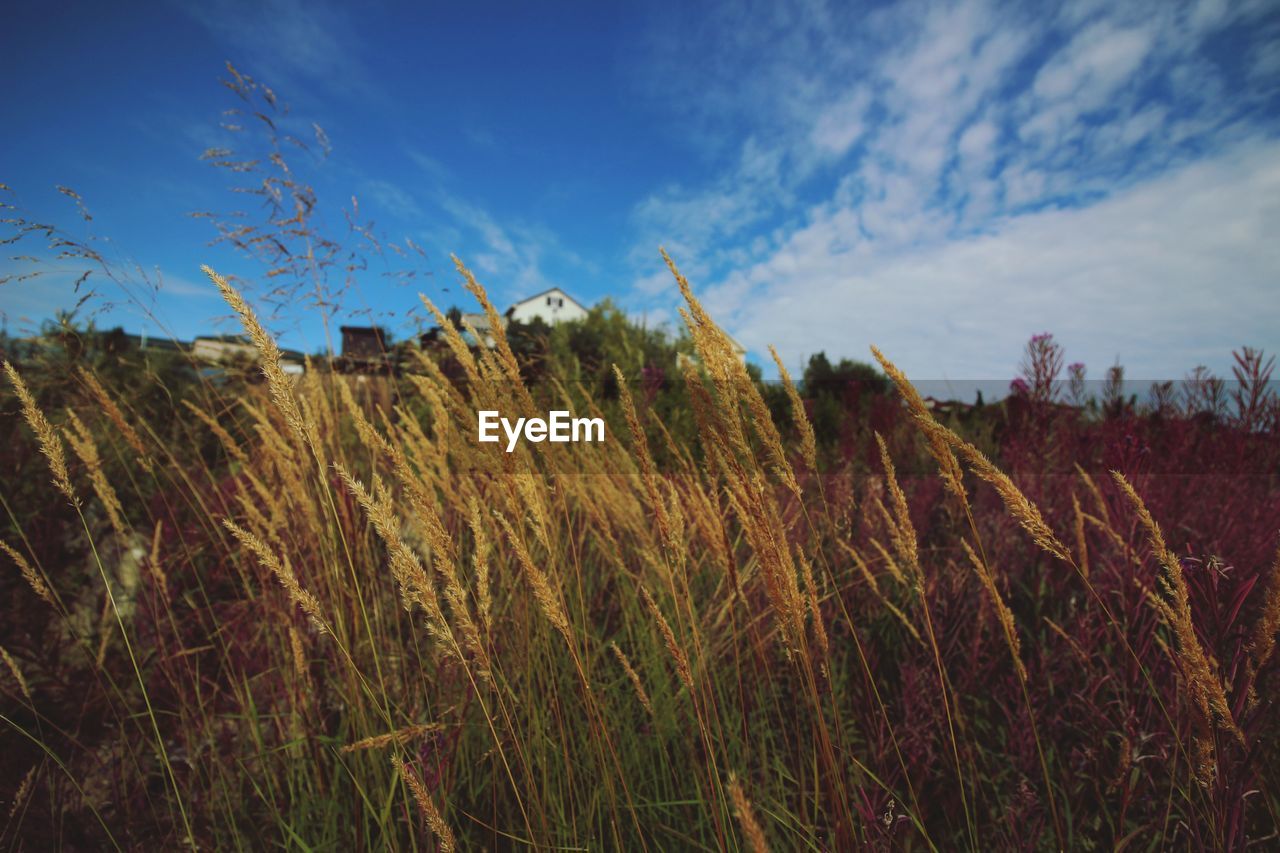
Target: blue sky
<point>941,179</point>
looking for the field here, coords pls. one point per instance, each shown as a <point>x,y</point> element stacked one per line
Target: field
<point>316,613</point>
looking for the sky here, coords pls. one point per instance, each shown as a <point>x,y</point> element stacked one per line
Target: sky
<point>943,180</point>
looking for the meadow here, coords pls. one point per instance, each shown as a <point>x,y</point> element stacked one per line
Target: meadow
<point>317,613</point>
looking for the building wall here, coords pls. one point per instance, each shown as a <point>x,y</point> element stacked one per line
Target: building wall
<point>214,350</point>
<point>362,342</point>
<point>559,309</point>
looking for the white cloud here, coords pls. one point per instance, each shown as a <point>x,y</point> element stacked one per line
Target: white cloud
<point>1169,274</point>
<point>289,41</point>
<point>1094,64</point>
<point>841,124</point>
<point>512,259</point>
<point>955,177</point>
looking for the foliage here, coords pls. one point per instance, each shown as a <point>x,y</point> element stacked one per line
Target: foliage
<point>327,617</point>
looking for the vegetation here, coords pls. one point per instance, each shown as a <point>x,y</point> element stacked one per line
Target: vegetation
<point>246,609</point>
<point>317,613</point>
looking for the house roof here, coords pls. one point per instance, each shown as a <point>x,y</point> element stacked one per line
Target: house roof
<point>559,290</point>
<point>226,339</point>
<point>159,342</point>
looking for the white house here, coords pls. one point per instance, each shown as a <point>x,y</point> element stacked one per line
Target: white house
<point>480,322</point>
<point>223,348</point>
<point>738,349</point>
<point>550,306</point>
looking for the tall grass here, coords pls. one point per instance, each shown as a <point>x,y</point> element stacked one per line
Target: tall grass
<point>346,624</point>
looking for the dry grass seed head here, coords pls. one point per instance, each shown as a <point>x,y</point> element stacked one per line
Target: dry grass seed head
<point>939,448</point>
<point>510,366</point>
<point>815,612</point>
<point>669,638</point>
<point>50,443</point>
<point>808,442</point>
<point>902,530</point>
<point>116,416</point>
<point>24,788</point>
<point>369,436</point>
<point>1203,684</point>
<point>1082,544</point>
<point>633,676</point>
<point>398,737</point>
<point>153,562</point>
<point>15,672</point>
<point>435,821</point>
<point>1098,500</point>
<point>1263,641</point>
<point>308,603</point>
<point>1003,613</point>
<point>747,817</point>
<point>86,449</point>
<point>546,597</point>
<point>228,443</point>
<point>278,382</point>
<point>410,576</point>
<point>1023,510</point>
<point>480,561</point>
<point>646,461</point>
<point>29,574</point>
<point>461,352</point>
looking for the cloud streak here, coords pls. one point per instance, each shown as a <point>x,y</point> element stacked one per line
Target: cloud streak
<point>958,176</point>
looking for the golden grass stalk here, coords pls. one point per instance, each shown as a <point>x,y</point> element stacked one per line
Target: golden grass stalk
<point>50,444</point>
<point>370,436</point>
<point>1082,543</point>
<point>497,329</point>
<point>429,811</point>
<point>116,416</point>
<point>29,574</point>
<point>17,673</point>
<point>762,423</point>
<point>763,526</point>
<point>1203,685</point>
<point>398,737</point>
<point>480,562</point>
<point>646,461</point>
<point>902,530</point>
<point>527,487</point>
<point>458,346</point>
<point>747,817</point>
<point>308,603</point>
<point>415,586</point>
<point>299,657</point>
<point>84,447</point>
<point>546,597</point>
<point>24,788</point>
<point>224,438</point>
<point>633,676</point>
<point>669,638</point>
<point>1003,613</point>
<point>952,476</point>
<point>732,381</point>
<point>1101,502</point>
<point>153,562</point>
<point>278,383</point>
<point>1023,510</point>
<point>889,562</point>
<point>808,442</point>
<point>870,578</point>
<point>1263,642</point>
<point>815,612</point>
